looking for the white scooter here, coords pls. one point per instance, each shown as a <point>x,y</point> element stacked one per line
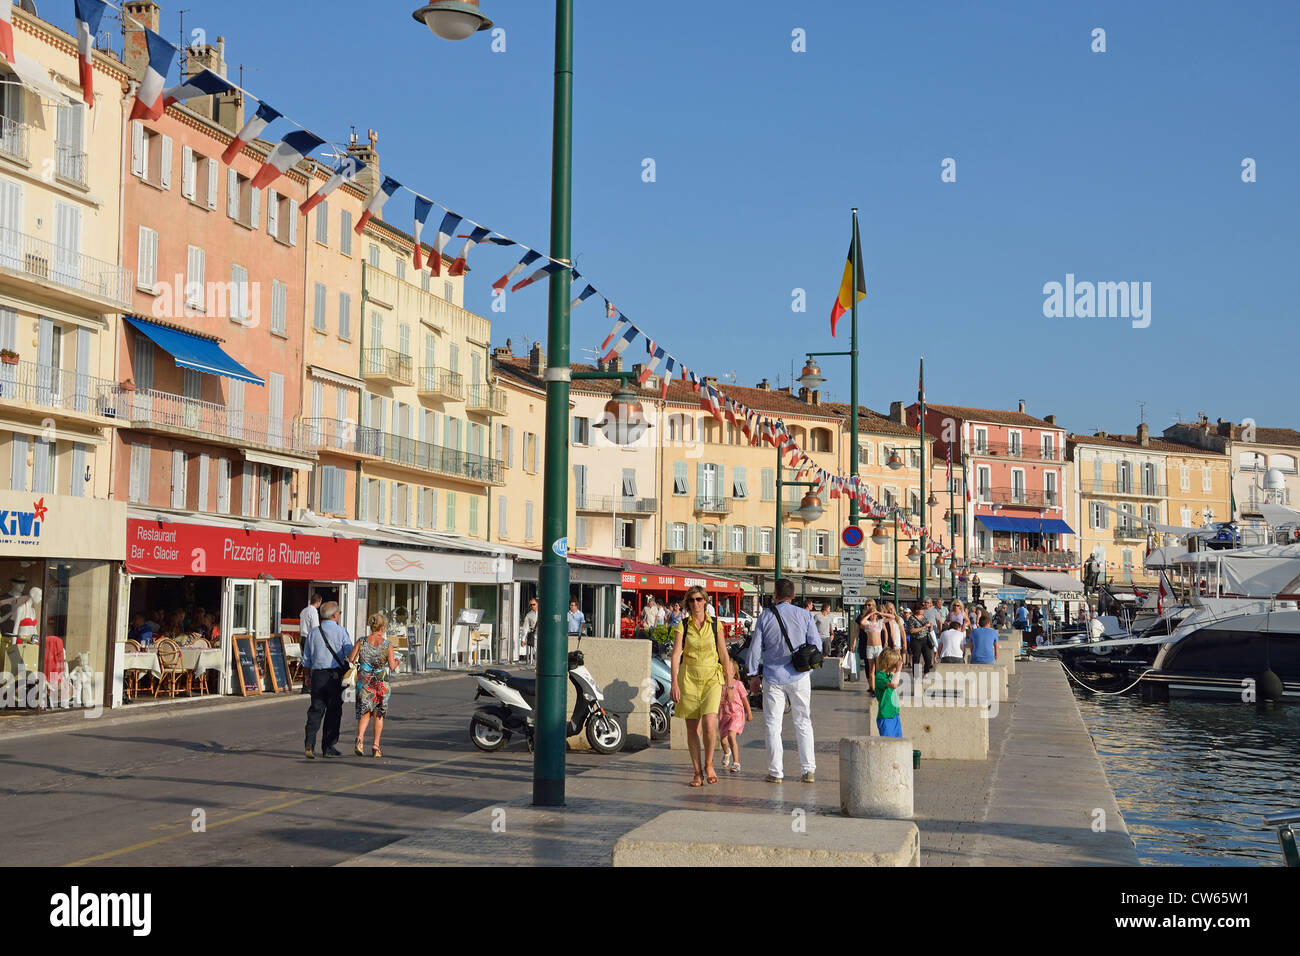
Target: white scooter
<point>514,710</point>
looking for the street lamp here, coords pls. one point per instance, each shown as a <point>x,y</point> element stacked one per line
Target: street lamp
<point>456,20</point>
<point>810,507</point>
<point>812,376</point>
<point>624,421</point>
<point>453,19</point>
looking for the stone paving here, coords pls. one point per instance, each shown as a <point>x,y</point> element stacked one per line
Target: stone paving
<point>1031,802</point>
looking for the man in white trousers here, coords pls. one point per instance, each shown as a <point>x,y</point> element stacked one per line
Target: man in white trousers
<point>772,647</point>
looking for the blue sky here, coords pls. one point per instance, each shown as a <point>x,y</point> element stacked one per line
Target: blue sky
<point>1115,166</point>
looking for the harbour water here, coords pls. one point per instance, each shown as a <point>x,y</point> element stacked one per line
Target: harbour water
<point>1193,778</point>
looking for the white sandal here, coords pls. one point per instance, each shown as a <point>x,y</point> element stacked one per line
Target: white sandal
<point>726,761</point>
<point>734,768</point>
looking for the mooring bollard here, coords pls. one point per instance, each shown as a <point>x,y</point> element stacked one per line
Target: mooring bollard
<point>876,777</point>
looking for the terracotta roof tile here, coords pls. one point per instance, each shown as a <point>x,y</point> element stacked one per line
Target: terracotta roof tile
<point>996,416</point>
<point>1131,441</point>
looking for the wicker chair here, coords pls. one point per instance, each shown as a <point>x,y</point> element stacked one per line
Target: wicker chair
<point>172,668</point>
<point>132,677</point>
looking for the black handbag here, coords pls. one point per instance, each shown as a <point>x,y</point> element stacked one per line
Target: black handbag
<point>804,658</point>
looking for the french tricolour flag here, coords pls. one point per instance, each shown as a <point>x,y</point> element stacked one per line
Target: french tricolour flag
<point>206,83</point>
<point>264,117</point>
<point>657,354</point>
<point>623,341</point>
<point>288,152</point>
<point>376,204</point>
<point>422,209</point>
<point>547,270</point>
<point>7,31</point>
<point>346,172</point>
<point>450,223</point>
<point>88,13</point>
<point>476,235</point>
<point>529,258</point>
<point>669,364</point>
<point>149,97</point>
<point>619,328</point>
<point>586,294</point>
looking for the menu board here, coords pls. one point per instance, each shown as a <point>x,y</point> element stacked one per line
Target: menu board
<point>246,679</point>
<point>276,666</point>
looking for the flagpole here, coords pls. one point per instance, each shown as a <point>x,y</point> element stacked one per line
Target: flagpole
<point>921,421</point>
<point>854,516</point>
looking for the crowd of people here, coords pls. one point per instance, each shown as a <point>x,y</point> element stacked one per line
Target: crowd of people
<point>185,626</point>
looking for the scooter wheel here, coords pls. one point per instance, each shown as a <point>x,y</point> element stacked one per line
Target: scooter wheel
<point>487,738</point>
<point>605,733</point>
<point>659,722</point>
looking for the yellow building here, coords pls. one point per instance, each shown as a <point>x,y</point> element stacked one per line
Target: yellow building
<point>517,503</point>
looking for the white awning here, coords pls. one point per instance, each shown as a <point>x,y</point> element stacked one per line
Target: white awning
<point>279,461</point>
<point>338,378</point>
<point>1053,581</point>
<point>36,78</point>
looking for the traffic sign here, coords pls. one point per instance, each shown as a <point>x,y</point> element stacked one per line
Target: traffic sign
<point>855,600</point>
<point>851,536</point>
<point>852,556</point>
<point>851,591</point>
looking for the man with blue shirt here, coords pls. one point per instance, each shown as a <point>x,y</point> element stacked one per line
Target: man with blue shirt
<point>576,619</point>
<point>983,642</point>
<point>325,651</point>
<point>780,680</point>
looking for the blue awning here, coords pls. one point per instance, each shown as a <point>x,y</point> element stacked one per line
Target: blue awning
<point>1024,525</point>
<point>190,351</point>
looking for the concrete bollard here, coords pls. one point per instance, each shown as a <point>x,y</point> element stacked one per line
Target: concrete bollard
<point>829,676</point>
<point>876,777</point>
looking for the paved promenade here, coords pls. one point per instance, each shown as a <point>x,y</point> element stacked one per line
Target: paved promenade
<point>1033,802</point>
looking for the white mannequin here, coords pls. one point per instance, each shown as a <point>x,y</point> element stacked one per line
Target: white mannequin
<point>9,606</point>
<point>29,610</point>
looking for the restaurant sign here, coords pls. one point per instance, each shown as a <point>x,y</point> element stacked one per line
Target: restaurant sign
<point>154,547</point>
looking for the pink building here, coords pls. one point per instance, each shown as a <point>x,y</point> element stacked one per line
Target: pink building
<point>1015,467</point>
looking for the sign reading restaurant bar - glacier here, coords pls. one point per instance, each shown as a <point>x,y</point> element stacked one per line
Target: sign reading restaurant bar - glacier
<point>175,548</point>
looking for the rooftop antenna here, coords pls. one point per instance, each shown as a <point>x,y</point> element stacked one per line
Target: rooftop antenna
<point>731,376</point>
<point>254,69</point>
<point>182,45</point>
<point>1142,412</point>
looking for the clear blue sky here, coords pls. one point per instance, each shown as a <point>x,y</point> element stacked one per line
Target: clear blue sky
<point>1115,166</point>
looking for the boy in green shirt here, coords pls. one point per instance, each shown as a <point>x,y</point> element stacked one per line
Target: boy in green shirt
<point>889,667</point>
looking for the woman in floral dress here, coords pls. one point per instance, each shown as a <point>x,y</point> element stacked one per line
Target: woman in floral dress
<point>375,659</point>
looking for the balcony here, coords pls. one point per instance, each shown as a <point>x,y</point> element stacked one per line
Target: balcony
<point>1129,532</point>
<point>1023,452</point>
<point>713,504</point>
<point>743,560</point>
<point>486,400</point>
<point>13,139</point>
<point>1021,496</point>
<point>152,410</point>
<point>440,383</point>
<point>1124,488</point>
<point>427,457</point>
<point>1010,557</point>
<point>387,367</point>
<point>66,274</point>
<point>349,438</point>
<point>617,504</point>
<point>58,390</point>
<point>69,166</point>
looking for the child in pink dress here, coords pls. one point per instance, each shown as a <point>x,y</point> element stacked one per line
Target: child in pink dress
<point>733,714</point>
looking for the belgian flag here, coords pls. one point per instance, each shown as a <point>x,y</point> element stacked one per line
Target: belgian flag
<point>844,301</point>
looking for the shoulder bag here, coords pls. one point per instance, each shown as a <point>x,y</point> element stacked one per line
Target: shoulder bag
<point>807,656</point>
<point>349,670</point>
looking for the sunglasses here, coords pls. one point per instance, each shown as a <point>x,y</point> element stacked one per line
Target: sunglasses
<point>697,600</point>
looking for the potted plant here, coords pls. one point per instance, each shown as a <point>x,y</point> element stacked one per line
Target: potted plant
<point>8,356</point>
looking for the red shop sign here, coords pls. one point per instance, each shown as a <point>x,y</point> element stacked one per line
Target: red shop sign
<point>194,549</point>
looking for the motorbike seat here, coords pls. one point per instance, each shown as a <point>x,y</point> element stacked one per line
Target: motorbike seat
<point>497,674</point>
<point>525,685</point>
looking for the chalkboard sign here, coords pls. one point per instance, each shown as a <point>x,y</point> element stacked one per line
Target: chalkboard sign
<point>273,656</point>
<point>246,679</point>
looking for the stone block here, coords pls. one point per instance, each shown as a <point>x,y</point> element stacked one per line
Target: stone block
<point>876,777</point>
<point>830,676</point>
<point>698,838</point>
<point>621,669</point>
<point>980,682</point>
<point>940,731</point>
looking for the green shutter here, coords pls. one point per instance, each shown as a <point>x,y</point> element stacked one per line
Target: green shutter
<point>722,483</point>
<point>699,478</point>
<point>721,545</point>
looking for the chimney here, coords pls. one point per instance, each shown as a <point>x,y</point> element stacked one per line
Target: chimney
<point>805,395</point>
<point>1022,406</point>
<point>816,396</point>
<point>503,352</point>
<point>225,109</point>
<point>638,368</point>
<point>368,179</point>
<point>536,359</point>
<point>1144,435</point>
<point>786,390</point>
<point>708,379</point>
<point>617,364</point>
<point>896,413</point>
<point>1050,419</point>
<point>763,385</point>
<point>135,51</point>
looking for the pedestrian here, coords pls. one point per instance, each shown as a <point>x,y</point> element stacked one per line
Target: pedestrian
<point>892,632</point>
<point>308,620</point>
<point>933,615</point>
<point>920,640</point>
<point>576,618</point>
<point>975,588</point>
<point>529,629</point>
<point>647,617</point>
<point>326,652</point>
<point>375,659</point>
<point>701,668</point>
<point>733,714</point>
<point>661,614</point>
<point>983,643</point>
<point>822,619</point>
<point>1022,618</point>
<point>887,678</point>
<point>957,615</point>
<point>870,643</point>
<point>808,605</point>
<point>952,644</point>
<point>778,632</point>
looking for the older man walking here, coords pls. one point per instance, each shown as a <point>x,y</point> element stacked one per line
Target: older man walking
<point>780,629</point>
<point>326,652</point>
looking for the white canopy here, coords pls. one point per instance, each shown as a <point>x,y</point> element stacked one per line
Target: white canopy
<point>1165,557</point>
<point>36,78</point>
<point>1056,581</point>
<point>1255,572</point>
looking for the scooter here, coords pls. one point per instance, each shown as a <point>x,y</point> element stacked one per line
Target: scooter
<point>513,710</point>
<point>661,708</point>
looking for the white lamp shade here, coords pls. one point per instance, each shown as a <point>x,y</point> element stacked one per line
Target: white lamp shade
<point>453,19</point>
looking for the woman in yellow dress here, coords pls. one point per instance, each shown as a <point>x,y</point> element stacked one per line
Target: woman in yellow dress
<point>701,667</point>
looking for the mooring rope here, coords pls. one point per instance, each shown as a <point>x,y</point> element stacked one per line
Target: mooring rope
<point>1109,693</point>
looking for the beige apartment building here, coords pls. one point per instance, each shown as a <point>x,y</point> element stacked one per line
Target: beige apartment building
<point>519,447</point>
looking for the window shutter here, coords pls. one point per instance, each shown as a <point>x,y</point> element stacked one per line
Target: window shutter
<point>722,484</point>
<point>293,222</point>
<point>187,172</point>
<point>720,543</point>
<point>699,477</point>
<point>254,207</point>
<point>272,213</point>
<point>178,478</point>
<point>165,173</point>
<point>77,483</point>
<point>223,485</point>
<point>137,149</point>
<point>213,181</point>
<point>364,505</point>
<point>232,193</point>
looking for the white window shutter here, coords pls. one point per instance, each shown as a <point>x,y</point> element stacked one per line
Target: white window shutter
<point>137,149</point>
<point>293,222</point>
<point>213,181</point>
<point>187,172</point>
<point>165,174</point>
<point>272,212</point>
<point>254,206</point>
<point>232,194</point>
